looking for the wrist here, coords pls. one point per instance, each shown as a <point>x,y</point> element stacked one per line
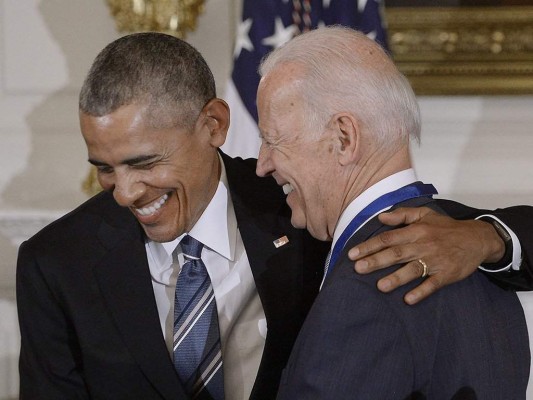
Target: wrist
<point>499,245</point>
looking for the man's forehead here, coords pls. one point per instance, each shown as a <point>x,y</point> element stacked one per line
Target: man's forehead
<point>130,113</point>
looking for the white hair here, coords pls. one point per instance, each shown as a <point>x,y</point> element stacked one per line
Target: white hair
<point>344,71</point>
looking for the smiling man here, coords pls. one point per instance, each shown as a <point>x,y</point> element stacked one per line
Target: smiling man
<point>103,313</point>
<point>165,175</point>
<point>184,277</point>
<point>336,116</point>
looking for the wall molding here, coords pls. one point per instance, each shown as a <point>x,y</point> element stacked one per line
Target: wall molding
<point>20,225</point>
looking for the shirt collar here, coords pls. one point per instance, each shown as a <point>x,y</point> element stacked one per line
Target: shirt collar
<point>216,228</point>
<point>387,185</point>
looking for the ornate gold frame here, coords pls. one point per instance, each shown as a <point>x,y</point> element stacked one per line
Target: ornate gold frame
<point>175,17</point>
<point>478,50</point>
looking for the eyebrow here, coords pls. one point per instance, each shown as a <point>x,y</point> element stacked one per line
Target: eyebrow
<point>128,161</point>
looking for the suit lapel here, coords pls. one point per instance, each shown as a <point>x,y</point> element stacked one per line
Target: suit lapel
<point>260,225</point>
<point>259,238</point>
<point>124,279</point>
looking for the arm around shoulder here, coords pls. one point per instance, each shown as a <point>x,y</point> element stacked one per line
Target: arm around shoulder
<point>519,219</point>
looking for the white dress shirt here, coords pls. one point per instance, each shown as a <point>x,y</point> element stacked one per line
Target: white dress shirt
<point>240,312</point>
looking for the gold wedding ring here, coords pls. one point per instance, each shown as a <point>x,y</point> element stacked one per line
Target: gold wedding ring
<point>425,271</point>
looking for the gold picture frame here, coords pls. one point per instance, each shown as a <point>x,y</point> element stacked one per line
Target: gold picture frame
<point>464,50</point>
<point>174,17</point>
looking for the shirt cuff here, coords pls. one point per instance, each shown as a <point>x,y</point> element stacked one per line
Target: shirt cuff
<point>515,252</point>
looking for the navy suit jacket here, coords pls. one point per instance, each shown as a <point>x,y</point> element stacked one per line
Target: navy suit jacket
<point>467,341</point>
<point>88,317</point>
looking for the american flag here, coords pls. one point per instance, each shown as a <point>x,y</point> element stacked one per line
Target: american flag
<point>266,25</point>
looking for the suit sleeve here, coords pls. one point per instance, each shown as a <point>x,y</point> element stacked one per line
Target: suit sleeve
<point>346,352</point>
<point>49,358</point>
<point>520,220</point>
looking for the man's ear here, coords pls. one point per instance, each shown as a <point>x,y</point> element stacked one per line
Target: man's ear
<point>216,119</point>
<point>347,137</point>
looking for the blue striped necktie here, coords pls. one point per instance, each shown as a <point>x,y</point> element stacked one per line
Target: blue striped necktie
<point>197,350</point>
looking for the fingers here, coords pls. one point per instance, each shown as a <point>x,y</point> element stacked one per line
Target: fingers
<point>401,276</point>
<point>451,249</point>
<point>425,289</point>
<point>396,237</point>
<point>403,215</point>
<point>386,240</point>
<point>383,255</point>
<point>406,274</point>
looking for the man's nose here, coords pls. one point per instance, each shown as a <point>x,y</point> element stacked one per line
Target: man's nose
<point>264,165</point>
<point>128,189</point>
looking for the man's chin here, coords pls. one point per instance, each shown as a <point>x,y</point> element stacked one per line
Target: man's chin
<point>159,234</point>
<point>302,224</point>
<point>298,222</point>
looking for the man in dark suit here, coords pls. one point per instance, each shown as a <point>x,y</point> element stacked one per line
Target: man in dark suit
<point>335,117</point>
<point>95,289</point>
<point>90,323</point>
<point>89,319</point>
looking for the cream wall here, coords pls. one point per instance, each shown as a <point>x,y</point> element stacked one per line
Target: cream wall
<point>475,149</point>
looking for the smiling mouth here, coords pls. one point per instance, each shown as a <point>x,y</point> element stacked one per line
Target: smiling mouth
<point>287,188</point>
<point>152,208</point>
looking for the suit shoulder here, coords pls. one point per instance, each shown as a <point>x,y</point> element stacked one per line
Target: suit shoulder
<point>80,223</point>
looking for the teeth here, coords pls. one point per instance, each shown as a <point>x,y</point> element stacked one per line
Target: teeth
<point>152,208</point>
<point>287,188</point>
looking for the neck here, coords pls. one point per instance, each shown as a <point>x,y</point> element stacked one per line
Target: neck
<point>378,166</point>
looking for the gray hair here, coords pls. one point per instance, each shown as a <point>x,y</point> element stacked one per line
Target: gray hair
<point>344,71</point>
<point>154,69</point>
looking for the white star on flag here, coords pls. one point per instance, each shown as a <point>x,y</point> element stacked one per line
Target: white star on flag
<point>243,39</point>
<point>281,34</point>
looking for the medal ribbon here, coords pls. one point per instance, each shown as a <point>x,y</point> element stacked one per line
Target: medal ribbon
<point>414,190</point>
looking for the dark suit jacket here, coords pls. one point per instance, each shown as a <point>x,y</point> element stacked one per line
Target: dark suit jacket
<point>88,316</point>
<point>467,341</point>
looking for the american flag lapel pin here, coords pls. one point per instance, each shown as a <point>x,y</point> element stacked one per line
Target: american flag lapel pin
<point>281,241</point>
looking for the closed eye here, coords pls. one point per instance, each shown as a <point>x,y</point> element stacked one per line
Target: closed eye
<point>144,166</point>
<point>104,169</point>
<point>142,162</point>
<point>266,142</point>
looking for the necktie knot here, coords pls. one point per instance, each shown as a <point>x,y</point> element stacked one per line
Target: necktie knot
<point>192,248</point>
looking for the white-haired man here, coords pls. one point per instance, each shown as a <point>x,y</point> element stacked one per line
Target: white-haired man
<point>336,117</point>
